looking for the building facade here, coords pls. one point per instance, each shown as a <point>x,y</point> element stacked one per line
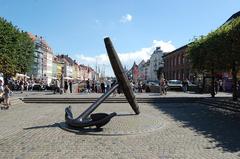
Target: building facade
<point>37,67</point>
<point>156,62</point>
<point>146,69</point>
<point>177,66</point>
<point>46,66</point>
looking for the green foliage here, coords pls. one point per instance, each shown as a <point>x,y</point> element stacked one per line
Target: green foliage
<point>218,49</point>
<point>16,49</point>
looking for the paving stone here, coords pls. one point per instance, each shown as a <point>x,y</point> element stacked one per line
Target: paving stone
<point>161,131</point>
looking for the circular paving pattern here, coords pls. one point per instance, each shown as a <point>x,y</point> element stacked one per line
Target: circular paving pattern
<point>123,124</point>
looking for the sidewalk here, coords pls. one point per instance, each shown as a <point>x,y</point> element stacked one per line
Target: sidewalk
<point>50,94</point>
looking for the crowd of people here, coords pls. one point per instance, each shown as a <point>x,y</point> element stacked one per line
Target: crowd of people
<point>89,86</point>
<point>85,86</point>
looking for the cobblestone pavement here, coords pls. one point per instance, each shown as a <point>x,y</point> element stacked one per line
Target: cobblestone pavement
<point>49,94</point>
<point>163,131</point>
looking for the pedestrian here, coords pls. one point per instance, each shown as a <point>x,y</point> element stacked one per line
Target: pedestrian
<point>220,85</point>
<point>1,86</point>
<point>165,86</point>
<point>216,88</point>
<point>70,86</point>
<point>57,86</point>
<point>26,85</point>
<point>65,86</point>
<point>132,86</point>
<point>103,87</point>
<point>21,85</point>
<point>1,92</point>
<point>7,94</point>
<point>54,86</point>
<point>185,85</point>
<point>88,86</point>
<point>162,86</point>
<point>31,84</point>
<point>93,87</point>
<point>139,87</point>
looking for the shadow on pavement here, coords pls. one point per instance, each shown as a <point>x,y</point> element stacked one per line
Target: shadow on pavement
<point>42,126</point>
<point>218,126</point>
<point>121,114</point>
<point>93,131</point>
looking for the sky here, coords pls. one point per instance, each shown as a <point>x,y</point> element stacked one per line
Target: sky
<point>136,27</point>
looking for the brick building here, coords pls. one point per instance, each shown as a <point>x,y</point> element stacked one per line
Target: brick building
<point>176,65</point>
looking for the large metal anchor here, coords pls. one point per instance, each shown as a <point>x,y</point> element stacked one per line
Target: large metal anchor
<point>86,119</point>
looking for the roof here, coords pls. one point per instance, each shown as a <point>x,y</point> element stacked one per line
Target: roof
<point>234,16</point>
<point>178,49</point>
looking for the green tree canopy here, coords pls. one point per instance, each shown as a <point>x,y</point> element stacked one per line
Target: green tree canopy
<point>218,51</point>
<point>16,49</point>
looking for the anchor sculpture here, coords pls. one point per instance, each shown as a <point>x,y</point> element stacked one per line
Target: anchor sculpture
<point>86,119</point>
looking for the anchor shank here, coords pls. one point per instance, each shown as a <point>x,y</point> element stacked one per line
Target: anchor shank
<point>121,76</point>
<point>90,109</point>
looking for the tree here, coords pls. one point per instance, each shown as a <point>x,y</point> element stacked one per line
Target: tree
<point>221,52</point>
<point>200,55</point>
<point>231,31</point>
<point>16,50</point>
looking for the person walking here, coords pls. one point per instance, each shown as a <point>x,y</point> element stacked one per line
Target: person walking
<point>88,86</point>
<point>21,83</point>
<point>165,86</point>
<point>103,87</point>
<point>65,86</point>
<point>1,92</point>
<point>7,94</point>
<point>70,86</point>
<point>54,86</point>
<point>185,85</point>
<point>26,85</point>
<point>139,87</point>
<point>216,86</point>
<point>220,86</point>
<point>58,86</point>
<point>162,86</point>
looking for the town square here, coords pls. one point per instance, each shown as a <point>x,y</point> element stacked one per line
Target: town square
<point>107,80</point>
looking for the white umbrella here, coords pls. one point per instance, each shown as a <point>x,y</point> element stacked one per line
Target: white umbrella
<point>20,75</point>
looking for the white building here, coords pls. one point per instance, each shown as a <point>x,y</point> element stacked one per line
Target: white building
<point>156,62</point>
<point>146,69</point>
<point>68,71</point>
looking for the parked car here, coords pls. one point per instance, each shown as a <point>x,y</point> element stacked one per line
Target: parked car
<point>174,85</point>
<point>152,86</point>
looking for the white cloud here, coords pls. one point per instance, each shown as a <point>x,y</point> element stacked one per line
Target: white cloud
<point>165,46</point>
<point>127,58</point>
<point>126,18</point>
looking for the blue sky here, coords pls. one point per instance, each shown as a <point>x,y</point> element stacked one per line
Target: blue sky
<point>77,27</point>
